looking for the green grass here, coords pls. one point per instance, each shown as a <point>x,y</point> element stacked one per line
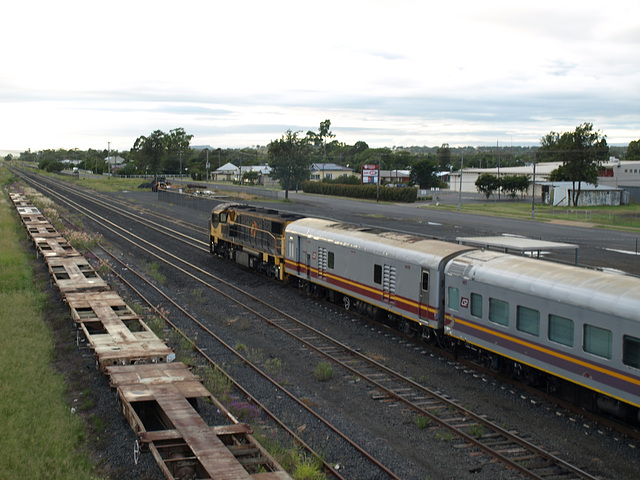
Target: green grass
<point>623,216</point>
<point>39,436</point>
<point>323,372</point>
<point>107,184</point>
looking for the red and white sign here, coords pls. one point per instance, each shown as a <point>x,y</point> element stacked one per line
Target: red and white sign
<point>369,174</point>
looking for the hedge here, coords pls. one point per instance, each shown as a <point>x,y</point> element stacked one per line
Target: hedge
<point>407,195</point>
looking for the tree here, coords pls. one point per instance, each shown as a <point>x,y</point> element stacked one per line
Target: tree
<point>487,184</point>
<point>559,175</point>
<point>580,152</point>
<point>290,159</point>
<point>423,173</point>
<point>177,144</point>
<point>320,138</point>
<point>150,151</point>
<point>250,177</point>
<point>443,155</point>
<point>633,150</point>
<point>512,184</point>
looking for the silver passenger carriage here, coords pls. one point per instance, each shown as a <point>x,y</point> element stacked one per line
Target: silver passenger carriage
<point>577,324</point>
<point>371,270</point>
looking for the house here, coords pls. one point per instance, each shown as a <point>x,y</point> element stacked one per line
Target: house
<point>231,173</point>
<point>395,176</point>
<point>330,171</point>
<point>114,162</point>
<point>263,174</point>
<point>226,173</point>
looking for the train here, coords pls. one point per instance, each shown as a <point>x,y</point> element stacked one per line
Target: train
<point>571,330</point>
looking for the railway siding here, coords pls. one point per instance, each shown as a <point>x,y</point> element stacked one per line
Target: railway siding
<point>158,397</point>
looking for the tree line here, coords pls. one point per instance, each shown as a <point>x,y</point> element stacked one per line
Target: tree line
<point>580,151</point>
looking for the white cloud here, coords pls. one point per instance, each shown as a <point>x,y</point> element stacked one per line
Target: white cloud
<point>405,72</point>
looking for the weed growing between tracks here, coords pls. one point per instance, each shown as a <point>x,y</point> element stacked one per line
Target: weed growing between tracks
<point>220,386</point>
<point>323,372</point>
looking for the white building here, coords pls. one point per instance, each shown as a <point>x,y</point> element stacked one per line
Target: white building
<point>614,173</point>
<point>470,175</point>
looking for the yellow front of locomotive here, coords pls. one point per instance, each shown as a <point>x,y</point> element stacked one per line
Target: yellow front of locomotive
<point>218,226</point>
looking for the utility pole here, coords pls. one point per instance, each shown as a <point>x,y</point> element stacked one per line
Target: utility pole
<point>498,155</point>
<point>460,196</point>
<point>208,164</point>
<point>533,190</point>
<point>108,158</point>
<point>379,175</point>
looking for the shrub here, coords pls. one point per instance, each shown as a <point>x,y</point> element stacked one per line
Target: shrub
<point>324,372</point>
<point>369,192</point>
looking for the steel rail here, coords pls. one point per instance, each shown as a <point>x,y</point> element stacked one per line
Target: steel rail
<point>466,437</point>
<point>193,345</point>
<point>78,207</point>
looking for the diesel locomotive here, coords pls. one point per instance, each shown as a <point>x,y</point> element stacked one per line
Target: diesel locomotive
<point>575,330</point>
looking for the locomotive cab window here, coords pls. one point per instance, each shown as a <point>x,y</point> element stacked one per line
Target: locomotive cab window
<point>454,298</point>
<point>425,281</point>
<point>597,341</point>
<point>377,274</point>
<point>223,217</point>
<point>631,351</point>
<point>214,218</point>
<point>276,228</point>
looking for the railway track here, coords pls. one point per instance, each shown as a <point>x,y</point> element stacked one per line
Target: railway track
<point>332,434</point>
<point>473,431</point>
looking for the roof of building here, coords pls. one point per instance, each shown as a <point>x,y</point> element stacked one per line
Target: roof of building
<point>328,167</point>
<point>228,168</point>
<point>262,169</point>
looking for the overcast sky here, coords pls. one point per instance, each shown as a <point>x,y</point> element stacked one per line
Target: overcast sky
<point>80,74</point>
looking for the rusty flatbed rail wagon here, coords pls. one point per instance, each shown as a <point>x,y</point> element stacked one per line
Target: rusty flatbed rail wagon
<point>158,397</point>
<point>158,401</point>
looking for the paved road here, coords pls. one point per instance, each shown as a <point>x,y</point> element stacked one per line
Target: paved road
<point>597,247</point>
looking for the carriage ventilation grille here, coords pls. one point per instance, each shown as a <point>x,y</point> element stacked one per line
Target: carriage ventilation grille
<point>459,269</point>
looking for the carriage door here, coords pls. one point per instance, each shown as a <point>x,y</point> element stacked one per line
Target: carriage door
<point>424,295</point>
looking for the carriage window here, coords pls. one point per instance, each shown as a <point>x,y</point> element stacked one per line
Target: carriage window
<point>476,305</point>
<point>330,260</point>
<point>499,311</point>
<point>425,281</point>
<point>377,274</point>
<point>223,218</point>
<point>561,330</point>
<point>631,351</point>
<point>528,320</point>
<point>597,341</point>
<point>454,298</point>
